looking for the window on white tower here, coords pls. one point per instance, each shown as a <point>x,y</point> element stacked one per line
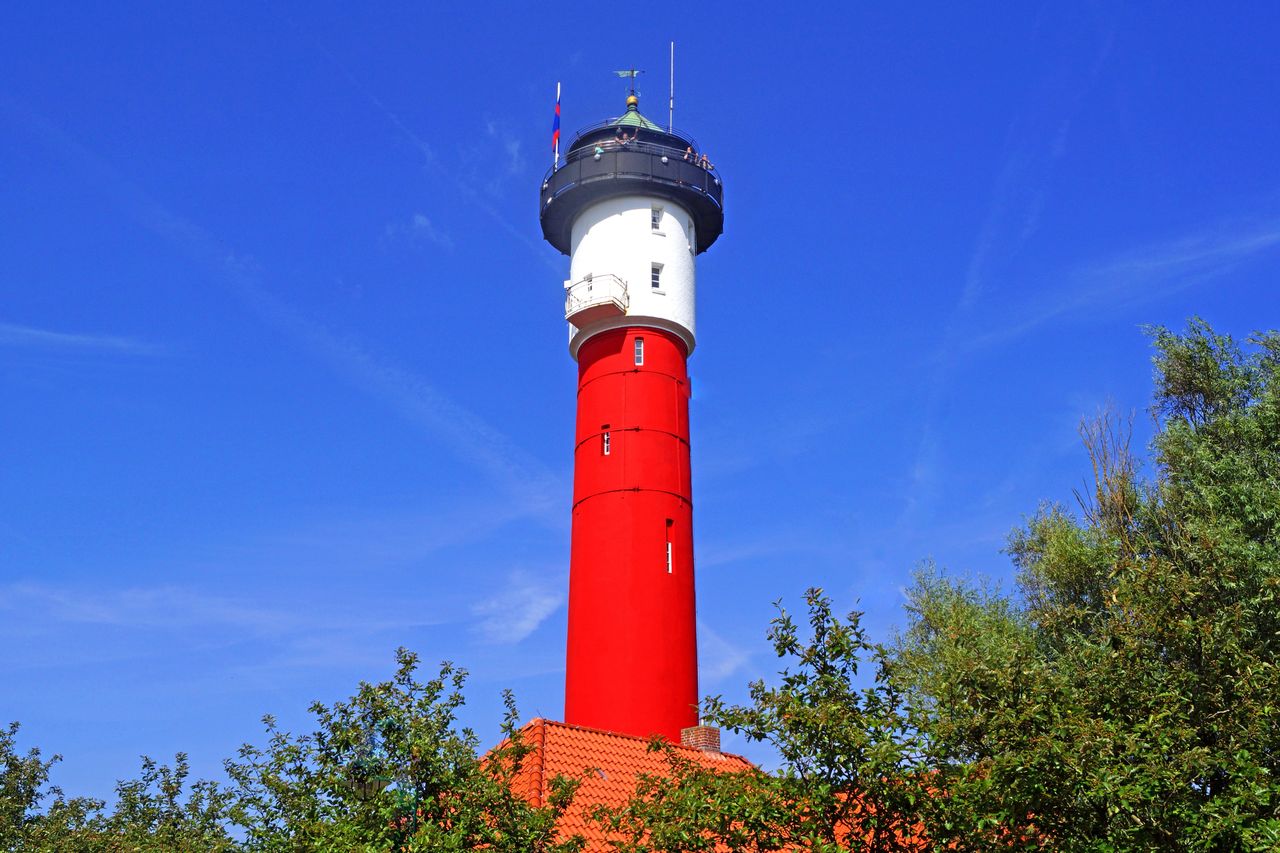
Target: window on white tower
<point>655,276</point>
<point>639,351</point>
<point>655,219</point>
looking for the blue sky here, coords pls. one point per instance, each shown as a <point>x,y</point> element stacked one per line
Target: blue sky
<point>284,370</point>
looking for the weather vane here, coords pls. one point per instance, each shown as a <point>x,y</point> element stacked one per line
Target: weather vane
<point>632,73</point>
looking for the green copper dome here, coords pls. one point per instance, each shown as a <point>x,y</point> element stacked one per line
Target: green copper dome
<point>632,117</point>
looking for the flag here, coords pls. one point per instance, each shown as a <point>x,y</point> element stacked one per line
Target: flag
<point>555,132</point>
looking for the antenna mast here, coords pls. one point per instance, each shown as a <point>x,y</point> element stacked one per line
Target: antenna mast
<point>671,104</point>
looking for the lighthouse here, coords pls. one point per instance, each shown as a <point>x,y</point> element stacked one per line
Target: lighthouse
<point>632,204</point>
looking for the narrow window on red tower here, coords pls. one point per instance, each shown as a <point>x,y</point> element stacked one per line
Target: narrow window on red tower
<point>639,351</point>
<point>604,444</point>
<point>669,524</point>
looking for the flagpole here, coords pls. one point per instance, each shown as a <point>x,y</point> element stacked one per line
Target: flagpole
<point>555,148</point>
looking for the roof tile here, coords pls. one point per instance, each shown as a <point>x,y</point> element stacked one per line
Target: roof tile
<point>608,764</point>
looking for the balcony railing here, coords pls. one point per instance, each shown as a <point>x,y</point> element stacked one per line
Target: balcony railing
<point>637,168</point>
<point>608,145</point>
<point>595,298</point>
<point>706,178</point>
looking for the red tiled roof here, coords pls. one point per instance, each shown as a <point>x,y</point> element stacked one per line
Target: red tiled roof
<point>606,762</point>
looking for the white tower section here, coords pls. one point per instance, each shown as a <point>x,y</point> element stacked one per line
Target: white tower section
<point>636,252</point>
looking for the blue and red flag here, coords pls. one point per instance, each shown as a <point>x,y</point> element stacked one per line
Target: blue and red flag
<point>555,132</point>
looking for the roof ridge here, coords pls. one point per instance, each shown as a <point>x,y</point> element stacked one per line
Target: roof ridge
<point>680,746</point>
<point>542,762</point>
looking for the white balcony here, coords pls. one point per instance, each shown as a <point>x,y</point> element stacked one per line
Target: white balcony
<point>597,297</point>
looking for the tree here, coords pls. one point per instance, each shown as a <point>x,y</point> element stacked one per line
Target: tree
<point>848,778</point>
<point>385,770</point>
<point>24,786</point>
<point>159,811</point>
<point>154,813</point>
<point>1128,697</point>
<point>389,769</point>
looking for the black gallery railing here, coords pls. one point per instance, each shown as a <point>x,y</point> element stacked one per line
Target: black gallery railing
<point>609,160</point>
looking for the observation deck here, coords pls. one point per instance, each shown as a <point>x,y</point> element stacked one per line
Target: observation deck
<point>630,155</point>
<point>595,298</point>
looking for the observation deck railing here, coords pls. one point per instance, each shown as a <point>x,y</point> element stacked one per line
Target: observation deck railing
<point>597,169</point>
<point>607,150</point>
<point>595,297</point>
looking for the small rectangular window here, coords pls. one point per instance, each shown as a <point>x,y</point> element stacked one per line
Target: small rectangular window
<point>639,351</point>
<point>670,522</point>
<point>655,219</point>
<point>604,444</point>
<point>655,276</point>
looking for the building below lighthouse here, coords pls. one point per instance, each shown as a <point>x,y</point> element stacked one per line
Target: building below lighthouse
<point>632,205</point>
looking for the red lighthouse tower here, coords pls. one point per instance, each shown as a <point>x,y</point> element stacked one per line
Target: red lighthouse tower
<point>632,208</point>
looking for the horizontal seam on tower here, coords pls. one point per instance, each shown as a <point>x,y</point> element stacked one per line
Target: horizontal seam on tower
<point>594,435</point>
<point>677,495</point>
<point>670,376</point>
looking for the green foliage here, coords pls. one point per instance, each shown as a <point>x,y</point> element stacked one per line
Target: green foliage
<point>21,785</point>
<point>24,786</point>
<point>691,808</point>
<point>159,811</point>
<point>389,769</point>
<point>848,779</point>
<point>1129,699</point>
<point>386,770</point>
<point>155,813</point>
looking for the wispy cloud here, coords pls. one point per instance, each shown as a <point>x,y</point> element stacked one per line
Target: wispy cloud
<point>512,159</point>
<point>163,607</point>
<point>150,636</point>
<point>13,335</point>
<point>494,162</point>
<point>536,489</point>
<point>1036,141</point>
<point>447,171</point>
<point>169,608</point>
<point>774,437</point>
<point>344,540</point>
<point>527,481</point>
<point>790,542</point>
<point>1144,274</point>
<point>519,608</point>
<point>419,228</point>
<point>717,657</point>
